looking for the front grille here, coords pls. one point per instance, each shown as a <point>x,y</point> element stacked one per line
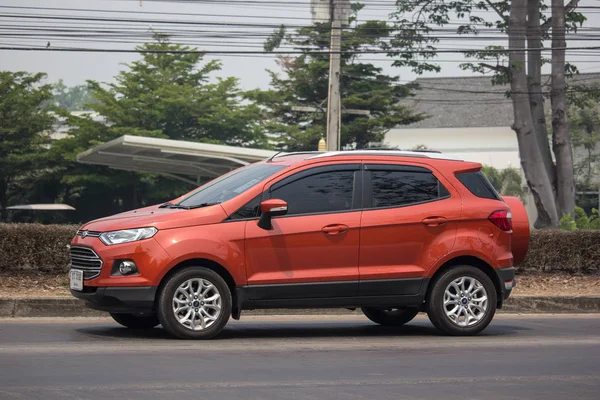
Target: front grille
<point>87,260</point>
<point>88,233</point>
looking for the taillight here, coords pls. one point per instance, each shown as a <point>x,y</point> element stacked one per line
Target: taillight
<point>502,219</point>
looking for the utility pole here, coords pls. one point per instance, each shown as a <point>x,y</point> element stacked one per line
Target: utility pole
<point>333,98</point>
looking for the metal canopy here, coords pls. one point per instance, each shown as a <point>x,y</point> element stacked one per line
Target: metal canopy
<point>190,162</point>
<point>42,207</point>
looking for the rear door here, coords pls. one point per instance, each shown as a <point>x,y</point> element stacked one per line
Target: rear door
<point>410,219</point>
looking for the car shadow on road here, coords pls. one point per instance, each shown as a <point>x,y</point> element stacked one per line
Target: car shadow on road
<point>302,330</point>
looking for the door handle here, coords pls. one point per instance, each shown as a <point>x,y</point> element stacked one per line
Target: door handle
<point>335,229</point>
<point>435,221</point>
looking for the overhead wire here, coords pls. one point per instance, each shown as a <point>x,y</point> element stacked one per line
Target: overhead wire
<point>242,35</point>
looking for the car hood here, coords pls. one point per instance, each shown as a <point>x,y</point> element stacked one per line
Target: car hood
<point>161,218</point>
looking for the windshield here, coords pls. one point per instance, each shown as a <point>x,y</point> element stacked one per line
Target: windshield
<point>230,185</point>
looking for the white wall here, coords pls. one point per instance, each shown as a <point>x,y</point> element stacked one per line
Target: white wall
<point>496,147</point>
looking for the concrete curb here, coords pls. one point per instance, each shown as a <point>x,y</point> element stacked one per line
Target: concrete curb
<point>71,307</point>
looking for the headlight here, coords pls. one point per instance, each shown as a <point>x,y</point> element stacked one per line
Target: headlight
<point>127,235</point>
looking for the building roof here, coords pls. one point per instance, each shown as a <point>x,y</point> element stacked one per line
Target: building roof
<point>460,102</point>
<point>191,162</point>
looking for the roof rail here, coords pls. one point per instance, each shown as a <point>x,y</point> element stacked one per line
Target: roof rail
<point>295,153</point>
<point>388,152</point>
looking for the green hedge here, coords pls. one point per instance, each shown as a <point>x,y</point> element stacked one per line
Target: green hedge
<point>35,247</point>
<point>43,248</point>
<point>563,251</point>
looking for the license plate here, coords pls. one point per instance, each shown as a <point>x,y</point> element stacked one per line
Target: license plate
<point>76,279</point>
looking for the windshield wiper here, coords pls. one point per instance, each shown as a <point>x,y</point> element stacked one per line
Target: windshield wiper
<point>179,206</point>
<point>203,205</point>
<point>171,205</point>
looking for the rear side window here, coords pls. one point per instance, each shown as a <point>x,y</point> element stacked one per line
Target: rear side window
<point>392,188</point>
<point>478,184</point>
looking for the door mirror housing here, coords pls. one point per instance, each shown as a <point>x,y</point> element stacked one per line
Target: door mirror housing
<point>271,208</point>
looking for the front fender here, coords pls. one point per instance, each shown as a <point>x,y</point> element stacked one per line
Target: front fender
<point>221,243</point>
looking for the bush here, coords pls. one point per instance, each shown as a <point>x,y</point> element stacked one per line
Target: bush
<point>551,250</point>
<point>581,221</point>
<point>34,248</point>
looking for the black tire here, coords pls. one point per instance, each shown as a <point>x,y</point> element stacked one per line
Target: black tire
<point>134,321</point>
<point>390,316</point>
<point>435,301</point>
<point>166,314</point>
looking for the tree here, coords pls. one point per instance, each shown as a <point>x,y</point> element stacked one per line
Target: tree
<point>584,125</point>
<point>23,122</point>
<point>507,181</point>
<point>414,44</point>
<point>168,93</point>
<point>294,110</point>
<point>74,98</point>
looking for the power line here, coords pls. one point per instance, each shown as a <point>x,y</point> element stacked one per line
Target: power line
<point>308,52</point>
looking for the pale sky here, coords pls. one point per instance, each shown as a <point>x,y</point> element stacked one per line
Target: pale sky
<point>75,68</point>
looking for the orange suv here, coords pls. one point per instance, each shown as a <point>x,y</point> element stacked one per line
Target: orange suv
<point>391,232</point>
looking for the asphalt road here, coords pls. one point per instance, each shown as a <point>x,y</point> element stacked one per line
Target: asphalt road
<point>303,357</point>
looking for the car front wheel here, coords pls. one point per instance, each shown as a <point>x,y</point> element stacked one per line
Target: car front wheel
<point>462,301</point>
<point>194,303</point>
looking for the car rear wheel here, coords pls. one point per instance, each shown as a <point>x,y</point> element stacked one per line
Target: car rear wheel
<point>195,303</point>
<point>136,321</point>
<point>462,301</point>
<point>390,316</point>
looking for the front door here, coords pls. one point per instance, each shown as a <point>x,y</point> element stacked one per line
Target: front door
<point>312,251</point>
<point>410,220</point>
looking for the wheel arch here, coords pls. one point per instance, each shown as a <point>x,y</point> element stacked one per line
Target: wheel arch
<point>200,262</point>
<point>473,262</point>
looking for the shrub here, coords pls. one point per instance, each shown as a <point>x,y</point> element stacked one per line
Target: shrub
<point>581,221</point>
<point>34,248</point>
<point>555,250</point>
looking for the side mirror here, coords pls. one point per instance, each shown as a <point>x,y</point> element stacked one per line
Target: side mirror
<point>271,208</point>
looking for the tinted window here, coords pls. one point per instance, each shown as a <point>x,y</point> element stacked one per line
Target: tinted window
<point>230,185</point>
<point>396,188</point>
<point>325,192</point>
<point>249,210</point>
<point>478,184</point>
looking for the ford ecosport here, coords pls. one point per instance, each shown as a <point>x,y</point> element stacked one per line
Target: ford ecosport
<point>391,232</point>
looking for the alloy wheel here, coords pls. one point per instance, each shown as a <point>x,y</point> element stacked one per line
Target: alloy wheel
<point>465,301</point>
<point>197,304</point>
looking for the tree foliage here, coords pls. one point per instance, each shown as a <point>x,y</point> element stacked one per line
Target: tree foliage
<point>74,98</point>
<point>172,95</point>
<point>24,121</point>
<point>506,181</point>
<point>584,121</point>
<point>302,85</point>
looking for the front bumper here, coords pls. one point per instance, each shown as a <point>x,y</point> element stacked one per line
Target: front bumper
<point>126,300</point>
<point>506,278</point>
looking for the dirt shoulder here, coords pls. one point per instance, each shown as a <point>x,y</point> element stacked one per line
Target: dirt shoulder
<point>36,286</point>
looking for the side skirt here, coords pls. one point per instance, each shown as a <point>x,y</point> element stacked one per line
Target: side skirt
<point>280,296</point>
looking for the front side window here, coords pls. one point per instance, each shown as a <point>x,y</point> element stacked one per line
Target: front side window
<point>393,188</point>
<point>248,210</point>
<point>231,185</point>
<point>330,191</point>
